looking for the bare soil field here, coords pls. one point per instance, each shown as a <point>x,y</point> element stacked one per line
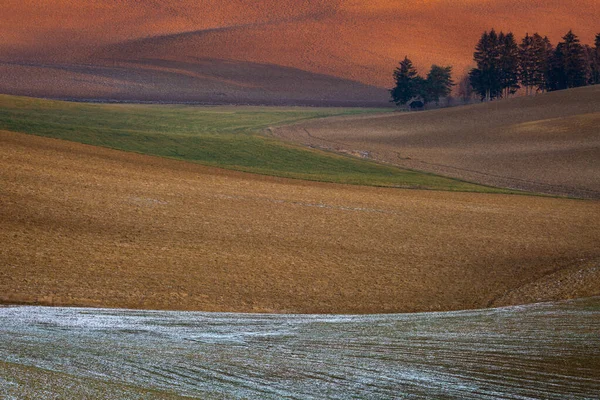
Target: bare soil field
<point>111,354</point>
<point>549,143</point>
<point>283,52</point>
<point>196,80</point>
<point>359,41</point>
<point>88,226</point>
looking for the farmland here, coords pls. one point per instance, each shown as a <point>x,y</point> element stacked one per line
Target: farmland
<point>90,226</point>
<point>141,354</point>
<point>548,143</point>
<point>231,137</point>
<point>217,199</point>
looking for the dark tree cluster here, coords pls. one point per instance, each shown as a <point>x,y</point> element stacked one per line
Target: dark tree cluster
<point>413,89</point>
<point>505,66</point>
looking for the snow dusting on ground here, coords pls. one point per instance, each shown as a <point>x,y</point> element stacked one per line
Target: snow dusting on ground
<point>549,351</point>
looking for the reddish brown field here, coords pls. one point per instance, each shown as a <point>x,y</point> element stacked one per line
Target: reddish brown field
<point>81,225</point>
<point>549,143</point>
<point>364,41</point>
<point>206,81</point>
<point>51,49</point>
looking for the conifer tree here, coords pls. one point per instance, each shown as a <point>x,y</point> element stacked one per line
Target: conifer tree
<point>411,86</point>
<point>595,62</point>
<point>543,51</point>
<point>574,61</point>
<point>556,70</point>
<point>421,90</point>
<point>485,78</point>
<point>527,64</point>
<point>407,84</point>
<point>588,56</point>
<point>438,84</point>
<point>568,67</point>
<point>508,63</point>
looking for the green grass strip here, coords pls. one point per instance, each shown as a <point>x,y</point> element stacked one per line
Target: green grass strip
<point>222,136</point>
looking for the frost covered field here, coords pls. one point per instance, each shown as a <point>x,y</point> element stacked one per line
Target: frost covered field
<point>549,351</point>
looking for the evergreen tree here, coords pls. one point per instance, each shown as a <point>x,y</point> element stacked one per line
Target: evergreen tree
<point>556,70</point>
<point>527,64</point>
<point>594,57</point>
<point>407,84</point>
<point>568,67</point>
<point>543,50</point>
<point>421,90</point>
<point>574,61</point>
<point>438,84</point>
<point>465,90</point>
<point>485,78</point>
<point>508,63</point>
<point>588,56</point>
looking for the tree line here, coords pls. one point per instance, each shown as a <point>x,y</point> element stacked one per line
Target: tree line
<point>504,66</point>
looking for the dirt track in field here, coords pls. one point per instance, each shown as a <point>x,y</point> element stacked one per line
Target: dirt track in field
<point>81,225</point>
<point>548,143</point>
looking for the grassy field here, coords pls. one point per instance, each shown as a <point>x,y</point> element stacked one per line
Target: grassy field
<point>232,137</point>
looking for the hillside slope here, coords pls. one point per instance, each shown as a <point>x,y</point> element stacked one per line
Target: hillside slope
<point>83,225</point>
<point>207,81</point>
<point>364,41</point>
<point>548,143</point>
<point>347,39</point>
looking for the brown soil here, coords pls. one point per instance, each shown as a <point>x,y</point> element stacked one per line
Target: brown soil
<point>205,81</point>
<point>549,143</point>
<point>81,225</point>
<point>361,41</point>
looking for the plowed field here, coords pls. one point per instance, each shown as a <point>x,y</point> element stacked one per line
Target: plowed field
<point>548,143</point>
<point>83,225</point>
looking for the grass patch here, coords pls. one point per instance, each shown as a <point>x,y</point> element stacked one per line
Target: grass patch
<point>222,136</point>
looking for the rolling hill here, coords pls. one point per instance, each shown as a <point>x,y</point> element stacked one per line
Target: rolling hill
<point>364,41</point>
<point>90,226</point>
<point>347,40</point>
<point>548,143</point>
<point>204,81</point>
<point>234,137</point>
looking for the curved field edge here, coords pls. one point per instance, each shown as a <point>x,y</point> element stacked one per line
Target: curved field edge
<point>548,143</point>
<point>88,226</point>
<point>232,137</point>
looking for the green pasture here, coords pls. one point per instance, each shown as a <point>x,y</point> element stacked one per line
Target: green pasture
<point>230,137</point>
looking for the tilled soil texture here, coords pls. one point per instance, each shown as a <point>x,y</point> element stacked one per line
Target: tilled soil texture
<point>548,143</point>
<point>506,353</point>
<point>199,81</point>
<point>81,225</point>
<point>356,40</point>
